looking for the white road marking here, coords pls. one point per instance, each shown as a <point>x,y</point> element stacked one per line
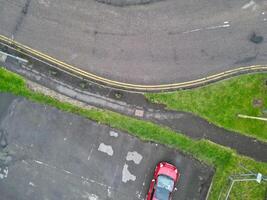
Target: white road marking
<point>224,25</point>
<point>90,196</point>
<point>191,31</point>
<point>219,26</point>
<point>138,194</point>
<point>41,163</point>
<point>105,149</point>
<point>23,161</point>
<point>3,172</point>
<point>90,153</point>
<point>109,192</point>
<point>249,4</point>
<point>134,156</point>
<point>46,3</point>
<point>126,175</point>
<point>32,184</point>
<point>68,172</point>
<point>113,134</point>
<point>82,178</point>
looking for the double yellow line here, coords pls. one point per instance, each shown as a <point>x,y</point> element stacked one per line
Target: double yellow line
<point>127,86</point>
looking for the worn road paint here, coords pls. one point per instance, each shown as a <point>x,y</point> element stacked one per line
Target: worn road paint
<point>45,3</point>
<point>90,153</point>
<point>90,196</point>
<point>32,184</point>
<point>126,175</point>
<point>3,172</point>
<point>134,156</point>
<point>109,192</point>
<point>224,25</point>
<point>219,26</point>
<point>82,178</point>
<point>251,4</point>
<point>191,31</point>
<point>105,149</point>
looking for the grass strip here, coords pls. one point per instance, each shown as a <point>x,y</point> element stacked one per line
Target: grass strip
<point>225,160</point>
<point>221,102</point>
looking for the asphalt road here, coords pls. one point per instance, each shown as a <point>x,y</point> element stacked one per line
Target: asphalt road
<point>164,42</point>
<point>54,155</point>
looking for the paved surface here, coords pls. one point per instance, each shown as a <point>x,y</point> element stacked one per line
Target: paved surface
<point>131,104</point>
<point>198,128</point>
<point>163,42</point>
<point>56,155</point>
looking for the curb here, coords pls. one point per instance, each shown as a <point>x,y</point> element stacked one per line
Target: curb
<point>25,50</point>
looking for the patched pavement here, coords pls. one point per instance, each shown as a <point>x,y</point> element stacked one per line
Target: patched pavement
<point>56,155</point>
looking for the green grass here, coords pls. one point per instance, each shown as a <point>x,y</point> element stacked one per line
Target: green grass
<point>220,103</point>
<point>225,161</point>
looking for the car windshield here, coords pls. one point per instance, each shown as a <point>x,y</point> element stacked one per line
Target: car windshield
<point>165,182</point>
<point>164,187</point>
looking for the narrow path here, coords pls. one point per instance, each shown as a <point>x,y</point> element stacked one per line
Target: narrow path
<point>197,128</point>
<point>135,105</point>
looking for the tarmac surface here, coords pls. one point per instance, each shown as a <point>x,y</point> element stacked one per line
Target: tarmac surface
<point>57,155</point>
<point>131,104</point>
<point>164,42</point>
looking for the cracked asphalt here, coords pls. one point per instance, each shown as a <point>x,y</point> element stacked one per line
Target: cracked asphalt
<point>164,42</point>
<point>56,155</point>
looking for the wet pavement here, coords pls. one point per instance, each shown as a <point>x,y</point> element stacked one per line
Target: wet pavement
<point>56,155</point>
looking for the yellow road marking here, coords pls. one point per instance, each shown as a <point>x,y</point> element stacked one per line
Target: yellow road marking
<point>128,86</point>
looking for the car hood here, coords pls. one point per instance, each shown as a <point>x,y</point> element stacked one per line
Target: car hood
<point>167,172</point>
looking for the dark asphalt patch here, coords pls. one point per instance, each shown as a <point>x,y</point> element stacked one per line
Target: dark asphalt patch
<point>257,39</point>
<point>246,60</point>
<point>3,139</point>
<point>59,155</point>
<point>19,21</point>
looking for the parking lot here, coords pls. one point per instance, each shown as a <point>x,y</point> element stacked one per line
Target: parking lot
<point>58,155</point>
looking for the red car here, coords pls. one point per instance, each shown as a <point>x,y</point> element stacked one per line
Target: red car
<point>163,184</point>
